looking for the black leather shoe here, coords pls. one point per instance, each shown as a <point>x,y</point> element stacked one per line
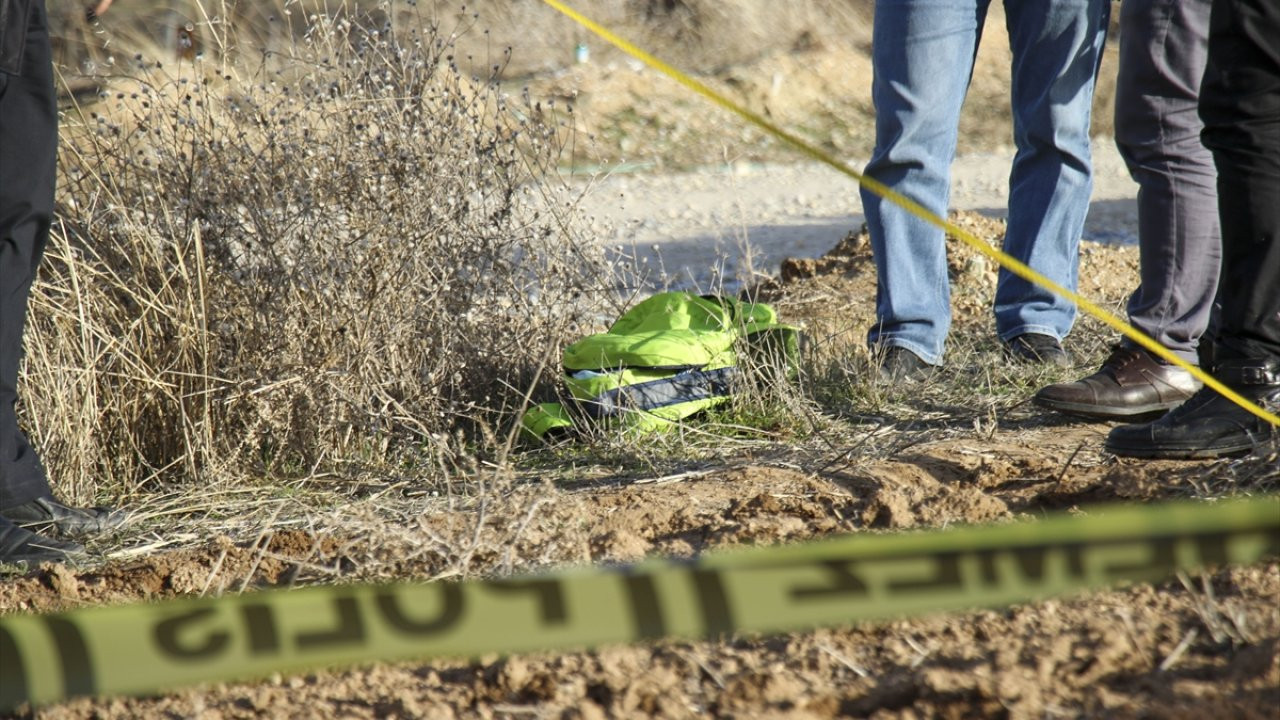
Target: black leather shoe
<point>45,514</point>
<point>18,545</point>
<point>1037,349</point>
<point>1132,383</point>
<point>899,364</point>
<point>1209,425</point>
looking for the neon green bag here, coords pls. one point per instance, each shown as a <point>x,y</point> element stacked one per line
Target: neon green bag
<point>670,356</point>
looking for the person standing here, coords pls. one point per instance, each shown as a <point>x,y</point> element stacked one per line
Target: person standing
<point>34,525</point>
<point>922,56</point>
<point>1163,51</point>
<point>1240,107</point>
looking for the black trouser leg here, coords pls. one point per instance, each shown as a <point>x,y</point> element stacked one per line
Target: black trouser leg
<point>1240,105</point>
<point>28,147</point>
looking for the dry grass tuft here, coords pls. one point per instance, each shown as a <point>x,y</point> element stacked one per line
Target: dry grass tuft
<point>346,254</point>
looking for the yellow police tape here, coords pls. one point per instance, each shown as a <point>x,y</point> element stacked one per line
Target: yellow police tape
<point>141,649</point>
<point>1010,263</point>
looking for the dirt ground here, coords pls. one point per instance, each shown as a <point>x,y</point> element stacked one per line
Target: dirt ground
<point>1204,646</point>
<point>1193,647</point>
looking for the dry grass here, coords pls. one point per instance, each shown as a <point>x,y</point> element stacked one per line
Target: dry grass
<point>320,260</point>
<point>360,261</point>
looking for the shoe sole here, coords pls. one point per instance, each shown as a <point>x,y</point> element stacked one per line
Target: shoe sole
<point>1024,361</point>
<point>27,563</point>
<point>42,554</point>
<point>906,378</point>
<point>1102,412</point>
<point>1059,358</point>
<point>1179,453</point>
<point>53,527</point>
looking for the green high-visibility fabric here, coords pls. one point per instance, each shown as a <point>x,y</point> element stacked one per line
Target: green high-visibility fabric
<point>672,330</point>
<point>666,358</point>
<point>669,330</point>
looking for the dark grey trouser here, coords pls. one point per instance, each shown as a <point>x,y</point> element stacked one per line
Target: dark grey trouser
<point>28,146</point>
<point>1163,50</point>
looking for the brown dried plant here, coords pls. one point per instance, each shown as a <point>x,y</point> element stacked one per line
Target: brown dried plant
<point>339,253</point>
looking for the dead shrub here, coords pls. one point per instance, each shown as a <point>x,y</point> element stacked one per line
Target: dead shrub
<point>699,35</point>
<point>285,263</point>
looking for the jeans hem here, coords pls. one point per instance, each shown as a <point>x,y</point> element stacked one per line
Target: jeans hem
<point>887,341</point>
<point>1008,335</point>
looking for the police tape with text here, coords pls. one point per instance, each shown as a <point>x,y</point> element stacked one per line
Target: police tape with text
<point>141,649</point>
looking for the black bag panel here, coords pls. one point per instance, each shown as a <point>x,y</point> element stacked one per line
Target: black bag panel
<point>690,386</point>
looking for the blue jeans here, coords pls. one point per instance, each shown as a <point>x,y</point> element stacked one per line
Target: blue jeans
<point>923,52</point>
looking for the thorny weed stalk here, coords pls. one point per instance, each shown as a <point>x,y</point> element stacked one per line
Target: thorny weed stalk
<point>339,254</point>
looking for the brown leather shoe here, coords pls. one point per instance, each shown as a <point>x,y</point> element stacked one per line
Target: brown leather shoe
<point>1131,384</point>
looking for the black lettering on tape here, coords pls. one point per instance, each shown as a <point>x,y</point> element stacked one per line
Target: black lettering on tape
<point>1162,564</point>
<point>1273,543</point>
<point>168,636</point>
<point>1030,562</point>
<point>717,617</point>
<point>1212,548</point>
<point>388,604</point>
<point>550,596</point>
<point>260,621</point>
<point>348,631</point>
<point>844,581</point>
<point>987,567</point>
<point>77,672</point>
<point>13,670</point>
<point>946,576</point>
<point>646,611</point>
<point>1075,560</point>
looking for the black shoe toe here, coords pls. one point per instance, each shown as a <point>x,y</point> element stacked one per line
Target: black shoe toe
<point>900,365</point>
<point>1206,426</point>
<point>47,514</point>
<point>1037,349</point>
<point>21,546</point>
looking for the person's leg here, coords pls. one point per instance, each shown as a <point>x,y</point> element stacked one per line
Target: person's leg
<point>1240,106</point>
<point>1057,46</point>
<point>922,53</point>
<point>1163,50</point>
<point>28,143</point>
<point>1241,110</point>
<point>28,158</point>
<point>1163,47</point>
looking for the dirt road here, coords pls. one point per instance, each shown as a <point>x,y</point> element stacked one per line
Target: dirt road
<point>722,226</point>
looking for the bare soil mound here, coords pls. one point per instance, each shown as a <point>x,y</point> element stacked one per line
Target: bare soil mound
<point>1184,647</point>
